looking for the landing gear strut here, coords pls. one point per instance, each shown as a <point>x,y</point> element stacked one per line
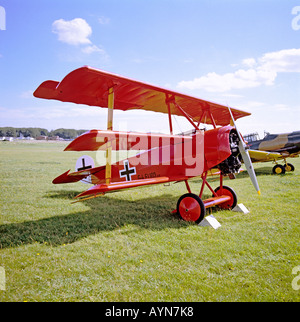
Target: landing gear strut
<point>191,207</point>
<point>282,169</point>
<point>289,167</point>
<point>227,191</point>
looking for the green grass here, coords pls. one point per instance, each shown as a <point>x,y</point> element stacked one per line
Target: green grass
<point>127,246</point>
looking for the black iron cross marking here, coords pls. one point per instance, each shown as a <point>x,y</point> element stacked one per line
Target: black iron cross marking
<point>84,167</point>
<point>127,172</point>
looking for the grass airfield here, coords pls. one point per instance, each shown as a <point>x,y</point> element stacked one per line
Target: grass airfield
<point>127,246</point>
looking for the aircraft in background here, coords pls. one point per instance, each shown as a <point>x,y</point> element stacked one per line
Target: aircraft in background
<point>274,147</point>
<point>163,157</point>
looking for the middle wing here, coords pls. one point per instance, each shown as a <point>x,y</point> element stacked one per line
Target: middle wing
<point>95,140</point>
<point>90,86</point>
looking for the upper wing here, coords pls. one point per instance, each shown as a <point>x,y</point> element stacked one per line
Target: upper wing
<point>90,86</point>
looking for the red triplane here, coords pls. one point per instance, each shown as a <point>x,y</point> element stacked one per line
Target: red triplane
<point>163,158</point>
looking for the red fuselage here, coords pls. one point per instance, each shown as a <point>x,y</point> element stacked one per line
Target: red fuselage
<point>181,159</point>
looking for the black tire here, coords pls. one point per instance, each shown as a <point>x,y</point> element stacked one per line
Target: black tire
<point>228,192</point>
<point>289,167</point>
<point>278,169</point>
<point>191,208</point>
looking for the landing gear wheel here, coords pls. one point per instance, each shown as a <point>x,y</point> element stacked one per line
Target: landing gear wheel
<point>278,169</point>
<point>227,191</point>
<point>191,208</point>
<point>289,167</point>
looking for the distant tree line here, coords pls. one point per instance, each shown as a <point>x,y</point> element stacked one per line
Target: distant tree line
<point>35,132</point>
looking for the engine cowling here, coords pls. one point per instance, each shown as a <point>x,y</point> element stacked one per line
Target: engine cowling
<point>221,150</point>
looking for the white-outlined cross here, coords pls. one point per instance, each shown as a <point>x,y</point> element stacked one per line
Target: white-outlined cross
<point>127,172</point>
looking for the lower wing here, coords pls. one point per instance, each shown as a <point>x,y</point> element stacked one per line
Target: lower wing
<point>264,156</point>
<point>101,189</point>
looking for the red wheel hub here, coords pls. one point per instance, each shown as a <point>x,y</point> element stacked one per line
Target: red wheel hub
<point>189,209</point>
<point>226,191</point>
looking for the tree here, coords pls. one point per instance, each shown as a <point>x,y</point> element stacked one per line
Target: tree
<point>34,132</point>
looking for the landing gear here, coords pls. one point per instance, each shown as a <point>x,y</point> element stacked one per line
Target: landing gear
<point>289,167</point>
<point>282,169</point>
<point>227,191</point>
<point>279,169</point>
<point>191,208</point>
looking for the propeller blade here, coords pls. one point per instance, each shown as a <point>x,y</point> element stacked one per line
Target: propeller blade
<point>246,156</point>
<point>249,166</point>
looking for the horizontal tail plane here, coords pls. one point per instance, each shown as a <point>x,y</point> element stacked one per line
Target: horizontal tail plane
<point>68,177</point>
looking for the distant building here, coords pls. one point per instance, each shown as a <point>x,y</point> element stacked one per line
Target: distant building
<point>54,138</point>
<point>42,138</point>
<point>6,138</point>
<point>49,138</point>
<point>22,137</point>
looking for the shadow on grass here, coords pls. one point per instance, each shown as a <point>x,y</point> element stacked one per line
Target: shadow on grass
<point>105,214</point>
<point>262,171</point>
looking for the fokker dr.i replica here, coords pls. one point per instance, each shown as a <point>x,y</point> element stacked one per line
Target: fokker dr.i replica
<point>163,158</point>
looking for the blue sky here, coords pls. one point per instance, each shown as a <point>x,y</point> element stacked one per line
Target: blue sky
<point>242,53</point>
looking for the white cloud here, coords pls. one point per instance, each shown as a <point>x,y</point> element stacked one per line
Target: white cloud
<point>92,49</point>
<point>76,32</point>
<point>103,20</point>
<point>73,32</point>
<point>283,61</point>
<point>249,62</point>
<point>260,72</point>
<point>242,78</point>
